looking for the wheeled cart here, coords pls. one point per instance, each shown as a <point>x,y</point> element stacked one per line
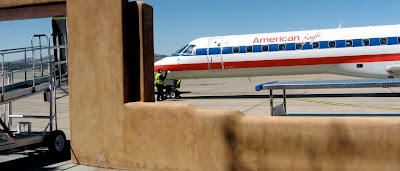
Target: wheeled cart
<point>42,74</point>
<point>171,88</point>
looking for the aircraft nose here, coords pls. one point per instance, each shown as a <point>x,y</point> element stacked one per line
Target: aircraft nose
<point>159,62</point>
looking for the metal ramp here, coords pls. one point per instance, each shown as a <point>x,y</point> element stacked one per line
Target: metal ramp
<point>41,74</point>
<point>281,110</point>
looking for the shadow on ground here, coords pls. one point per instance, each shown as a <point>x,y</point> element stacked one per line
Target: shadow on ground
<point>36,160</point>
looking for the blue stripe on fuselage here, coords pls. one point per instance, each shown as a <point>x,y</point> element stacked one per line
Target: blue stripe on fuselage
<point>292,46</point>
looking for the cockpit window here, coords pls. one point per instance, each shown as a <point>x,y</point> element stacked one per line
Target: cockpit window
<point>189,50</point>
<point>181,49</point>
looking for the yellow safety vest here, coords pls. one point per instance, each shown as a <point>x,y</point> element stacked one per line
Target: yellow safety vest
<point>158,80</point>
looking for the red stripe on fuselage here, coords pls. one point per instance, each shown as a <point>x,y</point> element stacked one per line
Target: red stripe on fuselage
<point>281,62</point>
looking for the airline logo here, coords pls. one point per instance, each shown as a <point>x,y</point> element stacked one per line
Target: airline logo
<point>281,39</point>
<point>310,38</point>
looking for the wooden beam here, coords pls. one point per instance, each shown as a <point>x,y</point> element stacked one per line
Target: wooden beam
<point>33,11</point>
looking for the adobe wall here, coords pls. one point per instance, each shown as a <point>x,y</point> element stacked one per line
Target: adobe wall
<point>317,143</point>
<point>107,132</point>
<point>110,127</point>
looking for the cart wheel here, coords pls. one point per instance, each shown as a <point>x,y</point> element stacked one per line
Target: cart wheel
<point>172,95</point>
<point>56,142</point>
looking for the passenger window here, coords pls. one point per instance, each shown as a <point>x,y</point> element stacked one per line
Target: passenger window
<point>264,48</point>
<point>299,46</point>
<point>315,45</point>
<point>349,43</point>
<point>398,40</point>
<point>383,41</point>
<point>189,50</point>
<point>249,49</point>
<point>236,49</point>
<point>282,47</point>
<point>365,42</point>
<point>332,44</point>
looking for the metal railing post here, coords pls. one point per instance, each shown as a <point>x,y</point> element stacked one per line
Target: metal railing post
<point>271,102</point>
<point>2,88</point>
<point>9,82</point>
<point>26,65</point>
<point>2,77</point>
<point>284,100</point>
<point>66,52</point>
<point>33,64</point>
<point>40,54</point>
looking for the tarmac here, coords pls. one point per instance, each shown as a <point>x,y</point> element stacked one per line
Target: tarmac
<point>225,94</point>
<point>239,94</point>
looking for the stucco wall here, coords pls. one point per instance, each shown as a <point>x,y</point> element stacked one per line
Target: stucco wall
<point>317,143</point>
<point>108,130</point>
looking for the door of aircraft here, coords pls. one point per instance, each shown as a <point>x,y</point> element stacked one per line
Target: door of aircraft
<point>215,54</point>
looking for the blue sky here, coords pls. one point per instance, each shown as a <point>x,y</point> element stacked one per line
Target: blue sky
<point>177,22</point>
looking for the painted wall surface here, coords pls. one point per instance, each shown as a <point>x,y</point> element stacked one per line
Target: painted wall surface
<point>108,131</point>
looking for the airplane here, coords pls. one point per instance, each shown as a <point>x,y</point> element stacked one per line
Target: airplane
<point>372,51</point>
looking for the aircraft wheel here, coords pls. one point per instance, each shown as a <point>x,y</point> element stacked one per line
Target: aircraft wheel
<point>56,142</point>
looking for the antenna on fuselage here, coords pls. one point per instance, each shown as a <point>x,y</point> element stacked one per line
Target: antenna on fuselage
<point>340,25</point>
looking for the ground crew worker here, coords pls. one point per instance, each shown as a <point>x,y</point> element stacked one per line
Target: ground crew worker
<point>160,85</point>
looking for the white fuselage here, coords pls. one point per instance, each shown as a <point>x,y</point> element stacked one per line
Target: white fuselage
<point>362,51</point>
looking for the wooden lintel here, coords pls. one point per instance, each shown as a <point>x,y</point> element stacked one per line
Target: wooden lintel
<point>33,11</point>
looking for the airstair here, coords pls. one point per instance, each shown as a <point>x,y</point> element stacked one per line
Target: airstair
<point>40,72</point>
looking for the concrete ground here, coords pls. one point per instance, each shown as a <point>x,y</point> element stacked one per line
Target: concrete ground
<point>239,94</point>
<point>226,94</point>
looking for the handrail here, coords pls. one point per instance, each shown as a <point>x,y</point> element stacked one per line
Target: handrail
<point>8,51</point>
<point>17,49</point>
<point>5,51</point>
<point>43,48</point>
